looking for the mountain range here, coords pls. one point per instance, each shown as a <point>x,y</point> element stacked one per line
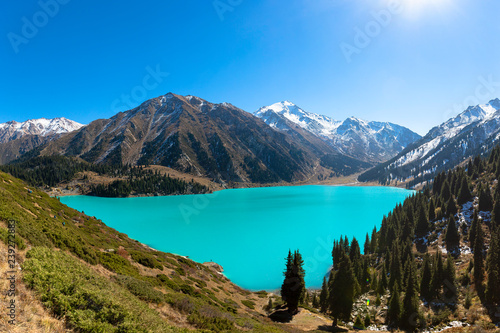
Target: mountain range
<point>474,131</point>
<point>17,138</point>
<point>219,141</point>
<point>369,141</point>
<point>280,142</point>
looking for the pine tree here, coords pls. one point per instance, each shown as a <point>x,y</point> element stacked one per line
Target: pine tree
<point>473,229</point>
<point>495,213</point>
<point>446,191</point>
<point>432,210</point>
<point>450,292</point>
<point>293,286</point>
<point>437,276</point>
<point>493,268</point>
<point>411,316</point>
<point>366,247</point>
<point>269,305</point>
<point>342,291</point>
<point>315,302</point>
<point>451,207</point>
<point>485,199</point>
<point>464,195</point>
<point>394,309</point>
<point>323,296</point>
<point>382,282</point>
<point>479,258</point>
<point>452,238</point>
<point>396,274</point>
<point>374,241</point>
<point>425,282</point>
<point>422,223</point>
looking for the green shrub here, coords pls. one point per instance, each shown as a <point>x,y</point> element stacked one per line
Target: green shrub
<point>208,318</point>
<point>146,259</point>
<point>87,301</point>
<point>142,289</point>
<point>165,281</point>
<point>117,264</point>
<point>359,324</point>
<point>248,304</point>
<point>187,289</point>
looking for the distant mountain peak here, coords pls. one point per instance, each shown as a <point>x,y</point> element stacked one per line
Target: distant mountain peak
<point>358,138</point>
<point>12,130</point>
<point>474,131</point>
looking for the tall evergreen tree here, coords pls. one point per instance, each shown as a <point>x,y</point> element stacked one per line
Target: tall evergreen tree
<point>437,276</point>
<point>394,309</point>
<point>479,258</point>
<point>382,282</point>
<point>452,237</point>
<point>323,296</point>
<point>396,274</point>
<point>374,241</point>
<point>493,268</point>
<point>451,207</point>
<point>473,229</point>
<point>432,210</point>
<point>446,191</point>
<point>342,291</point>
<point>366,247</point>
<point>422,223</point>
<point>495,213</point>
<point>425,282</point>
<point>464,195</point>
<point>450,291</point>
<point>411,316</point>
<point>485,199</point>
<point>293,286</point>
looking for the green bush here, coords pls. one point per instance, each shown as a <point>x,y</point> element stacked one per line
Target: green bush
<point>187,289</point>
<point>142,289</point>
<point>165,281</point>
<point>146,259</point>
<point>117,264</point>
<point>208,318</point>
<point>87,301</point>
<point>248,304</point>
<point>359,324</point>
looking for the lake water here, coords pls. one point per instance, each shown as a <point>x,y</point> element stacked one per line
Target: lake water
<point>249,231</point>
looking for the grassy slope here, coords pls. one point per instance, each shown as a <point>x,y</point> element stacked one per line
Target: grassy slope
<point>95,279</point>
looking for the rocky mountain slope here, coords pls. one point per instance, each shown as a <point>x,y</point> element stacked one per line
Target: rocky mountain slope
<point>219,141</point>
<point>369,141</point>
<point>474,131</point>
<point>17,138</point>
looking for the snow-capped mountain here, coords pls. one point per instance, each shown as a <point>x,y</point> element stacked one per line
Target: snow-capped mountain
<point>471,132</point>
<point>365,140</point>
<point>195,136</point>
<point>18,138</point>
<point>44,127</point>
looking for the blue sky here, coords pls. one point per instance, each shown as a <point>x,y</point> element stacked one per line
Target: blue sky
<point>412,62</point>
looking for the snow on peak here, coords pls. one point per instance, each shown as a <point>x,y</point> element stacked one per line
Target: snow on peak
<point>12,130</point>
<point>345,136</point>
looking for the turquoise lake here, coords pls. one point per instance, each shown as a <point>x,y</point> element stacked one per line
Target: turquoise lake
<point>249,231</point>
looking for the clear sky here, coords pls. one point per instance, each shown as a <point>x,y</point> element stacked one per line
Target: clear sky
<point>412,62</point>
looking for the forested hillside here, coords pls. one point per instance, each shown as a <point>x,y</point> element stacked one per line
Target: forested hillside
<point>435,259</point>
<point>49,171</point>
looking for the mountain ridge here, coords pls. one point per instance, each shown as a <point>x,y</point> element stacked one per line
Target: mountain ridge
<point>193,135</point>
<point>370,141</point>
<point>473,131</point>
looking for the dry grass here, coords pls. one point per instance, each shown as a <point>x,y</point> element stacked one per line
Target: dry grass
<point>31,316</point>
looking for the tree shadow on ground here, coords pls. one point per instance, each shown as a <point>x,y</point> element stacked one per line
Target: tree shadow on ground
<point>330,328</point>
<point>281,316</point>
